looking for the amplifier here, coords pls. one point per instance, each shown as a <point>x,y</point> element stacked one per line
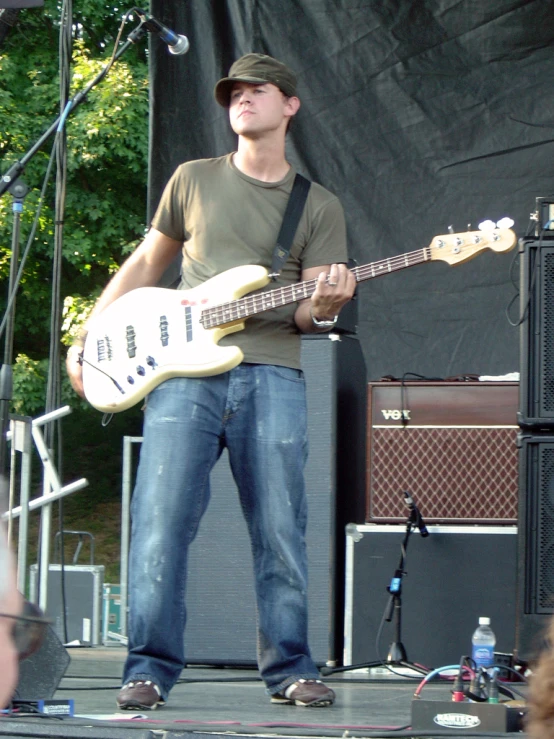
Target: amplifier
<point>536,544</point>
<point>536,335</point>
<point>452,445</point>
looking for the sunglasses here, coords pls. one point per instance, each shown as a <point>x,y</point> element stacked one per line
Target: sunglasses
<point>29,629</point>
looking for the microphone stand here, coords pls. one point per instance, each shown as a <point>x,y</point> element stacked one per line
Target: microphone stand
<point>18,190</point>
<point>397,656</point>
<point>397,652</point>
<point>10,181</point>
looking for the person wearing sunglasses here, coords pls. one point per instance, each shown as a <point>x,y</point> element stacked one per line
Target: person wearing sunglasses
<point>22,626</point>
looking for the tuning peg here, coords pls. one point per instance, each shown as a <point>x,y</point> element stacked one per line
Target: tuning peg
<point>450,229</point>
<point>505,223</point>
<point>487,225</point>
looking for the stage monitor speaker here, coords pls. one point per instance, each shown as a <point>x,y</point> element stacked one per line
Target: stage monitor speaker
<point>536,335</point>
<point>535,543</point>
<point>41,673</point>
<point>452,445</point>
<point>453,576</point>
<point>221,609</point>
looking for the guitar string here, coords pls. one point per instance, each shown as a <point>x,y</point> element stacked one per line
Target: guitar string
<point>251,304</point>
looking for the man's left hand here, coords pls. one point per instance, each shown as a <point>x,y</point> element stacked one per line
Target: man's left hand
<point>334,289</point>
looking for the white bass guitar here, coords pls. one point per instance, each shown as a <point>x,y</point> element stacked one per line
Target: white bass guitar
<point>153,333</point>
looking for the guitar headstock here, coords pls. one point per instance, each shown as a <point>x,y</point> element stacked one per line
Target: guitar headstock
<point>461,247</point>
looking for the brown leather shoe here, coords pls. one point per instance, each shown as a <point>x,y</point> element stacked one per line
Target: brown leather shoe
<point>311,693</point>
<point>142,694</point>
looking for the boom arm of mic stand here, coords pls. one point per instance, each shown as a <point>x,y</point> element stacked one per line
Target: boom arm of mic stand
<point>17,168</point>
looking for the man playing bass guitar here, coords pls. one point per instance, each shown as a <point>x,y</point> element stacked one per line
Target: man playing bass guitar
<point>223,213</point>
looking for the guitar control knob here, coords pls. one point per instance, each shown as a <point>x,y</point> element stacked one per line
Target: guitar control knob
<point>141,371</point>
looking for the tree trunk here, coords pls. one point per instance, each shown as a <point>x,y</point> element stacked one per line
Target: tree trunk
<point>8,19</point>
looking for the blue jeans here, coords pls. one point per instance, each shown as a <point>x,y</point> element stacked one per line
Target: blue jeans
<point>259,413</point>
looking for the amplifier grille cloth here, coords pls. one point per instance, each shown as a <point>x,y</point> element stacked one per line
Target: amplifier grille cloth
<point>453,473</point>
<point>547,334</point>
<point>546,531</point>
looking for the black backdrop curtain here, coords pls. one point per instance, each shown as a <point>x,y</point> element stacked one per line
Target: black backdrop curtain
<point>418,115</point>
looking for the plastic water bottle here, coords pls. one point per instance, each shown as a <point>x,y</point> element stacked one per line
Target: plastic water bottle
<point>483,641</point>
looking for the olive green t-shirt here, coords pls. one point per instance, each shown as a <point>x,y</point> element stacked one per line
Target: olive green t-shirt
<point>225,219</point>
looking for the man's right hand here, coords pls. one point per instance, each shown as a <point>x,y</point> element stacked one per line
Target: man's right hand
<point>75,368</point>
<point>143,268</point>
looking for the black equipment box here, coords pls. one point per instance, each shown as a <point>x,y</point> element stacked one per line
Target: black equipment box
<point>455,717</point>
<point>452,577</point>
<point>83,595</point>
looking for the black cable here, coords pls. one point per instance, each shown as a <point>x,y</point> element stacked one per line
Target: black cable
<point>28,708</point>
<point>31,238</point>
<point>17,282</point>
<point>528,234</point>
<point>516,295</point>
<point>53,432</point>
<point>524,313</point>
<point>404,418</point>
<point>53,392</point>
<point>458,693</point>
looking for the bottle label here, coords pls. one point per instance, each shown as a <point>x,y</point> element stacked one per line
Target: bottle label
<point>483,656</point>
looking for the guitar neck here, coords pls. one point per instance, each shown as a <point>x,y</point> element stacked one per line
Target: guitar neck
<point>250,305</point>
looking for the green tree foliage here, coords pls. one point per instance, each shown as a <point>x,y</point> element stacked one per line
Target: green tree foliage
<point>107,140</point>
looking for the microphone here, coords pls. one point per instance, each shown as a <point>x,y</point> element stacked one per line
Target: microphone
<point>177,44</point>
<point>415,514</point>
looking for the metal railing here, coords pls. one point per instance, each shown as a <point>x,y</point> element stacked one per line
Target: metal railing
<point>24,430</point>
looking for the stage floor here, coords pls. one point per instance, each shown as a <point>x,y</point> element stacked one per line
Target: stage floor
<point>217,701</point>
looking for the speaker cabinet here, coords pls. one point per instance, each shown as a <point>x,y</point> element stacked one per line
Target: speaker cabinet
<point>536,543</point>
<point>41,673</point>
<point>537,335</point>
<point>221,609</point>
<point>452,445</point>
<point>453,576</point>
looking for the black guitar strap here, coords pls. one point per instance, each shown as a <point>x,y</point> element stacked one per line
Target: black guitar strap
<point>291,219</point>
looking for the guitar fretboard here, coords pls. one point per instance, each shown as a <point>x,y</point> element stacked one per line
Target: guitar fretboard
<point>242,308</point>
